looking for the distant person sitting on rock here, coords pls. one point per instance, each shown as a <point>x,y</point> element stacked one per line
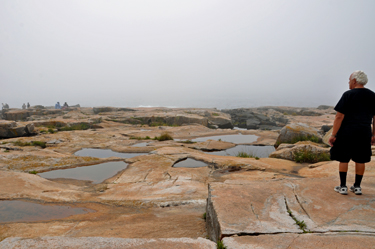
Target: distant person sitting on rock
<point>351,134</point>
<point>28,105</point>
<point>65,105</point>
<point>57,105</point>
<point>23,106</point>
<point>6,106</point>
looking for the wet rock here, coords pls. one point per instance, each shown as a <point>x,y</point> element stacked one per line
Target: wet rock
<point>102,242</point>
<point>297,130</point>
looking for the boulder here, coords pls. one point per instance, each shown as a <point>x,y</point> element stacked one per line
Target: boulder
<point>327,136</point>
<point>16,115</point>
<point>297,130</point>
<point>11,129</point>
<point>289,152</point>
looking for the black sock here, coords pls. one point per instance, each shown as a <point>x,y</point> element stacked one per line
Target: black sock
<point>343,179</point>
<point>358,180</point>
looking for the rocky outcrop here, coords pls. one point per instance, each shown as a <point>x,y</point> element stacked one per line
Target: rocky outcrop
<point>288,151</point>
<point>12,129</point>
<point>252,118</point>
<point>101,109</point>
<point>297,131</point>
<point>279,207</point>
<point>220,120</point>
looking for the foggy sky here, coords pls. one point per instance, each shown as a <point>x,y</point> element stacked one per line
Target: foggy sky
<point>206,53</point>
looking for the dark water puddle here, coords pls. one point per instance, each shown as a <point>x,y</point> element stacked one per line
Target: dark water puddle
<point>189,163</point>
<point>95,173</point>
<point>22,211</point>
<point>237,138</point>
<point>101,153</point>
<point>140,145</point>
<point>255,151</point>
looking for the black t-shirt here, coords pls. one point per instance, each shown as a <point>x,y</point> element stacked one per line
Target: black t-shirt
<point>358,106</point>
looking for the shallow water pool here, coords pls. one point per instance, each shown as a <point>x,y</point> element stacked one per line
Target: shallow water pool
<point>95,173</point>
<point>189,163</point>
<point>22,211</point>
<point>104,153</point>
<point>237,138</point>
<point>255,151</point>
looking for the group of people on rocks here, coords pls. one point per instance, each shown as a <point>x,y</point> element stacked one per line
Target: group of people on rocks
<point>58,106</point>
<point>24,106</point>
<point>6,106</point>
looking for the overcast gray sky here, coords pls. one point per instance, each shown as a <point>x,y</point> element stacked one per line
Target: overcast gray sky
<point>193,53</point>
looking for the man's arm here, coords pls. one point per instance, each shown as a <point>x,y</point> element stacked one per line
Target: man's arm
<point>373,131</point>
<point>336,126</point>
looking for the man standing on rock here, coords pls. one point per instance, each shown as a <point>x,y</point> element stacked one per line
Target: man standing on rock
<point>351,134</point>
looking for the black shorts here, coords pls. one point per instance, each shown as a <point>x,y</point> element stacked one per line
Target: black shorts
<point>355,147</point>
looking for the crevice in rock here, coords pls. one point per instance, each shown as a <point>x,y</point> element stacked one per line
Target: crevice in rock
<point>252,209</point>
<point>296,196</point>
<point>301,224</point>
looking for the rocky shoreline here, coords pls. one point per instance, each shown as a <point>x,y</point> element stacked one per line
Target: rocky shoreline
<point>152,204</point>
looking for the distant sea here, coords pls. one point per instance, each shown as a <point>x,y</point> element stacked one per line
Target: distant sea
<point>225,103</point>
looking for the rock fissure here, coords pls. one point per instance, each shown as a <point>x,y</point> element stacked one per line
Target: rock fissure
<point>301,224</point>
<point>296,196</point>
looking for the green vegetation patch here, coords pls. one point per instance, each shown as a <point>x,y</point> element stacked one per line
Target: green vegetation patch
<point>81,126</point>
<point>140,138</point>
<point>34,172</point>
<point>307,156</point>
<point>220,245</point>
<point>215,114</point>
<point>32,143</point>
<point>187,142</point>
<point>164,136</point>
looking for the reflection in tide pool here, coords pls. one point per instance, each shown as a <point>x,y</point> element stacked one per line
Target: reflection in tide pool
<point>238,138</point>
<point>95,173</point>
<point>140,145</point>
<point>100,153</point>
<point>255,151</point>
<point>189,163</point>
<point>22,211</point>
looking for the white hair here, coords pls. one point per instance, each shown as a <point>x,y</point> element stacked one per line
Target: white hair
<point>360,77</point>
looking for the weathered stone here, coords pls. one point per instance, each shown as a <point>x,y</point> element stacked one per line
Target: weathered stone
<point>11,129</point>
<point>327,136</point>
<point>289,153</point>
<point>101,109</point>
<point>268,207</point>
<point>344,240</point>
<point>101,242</point>
<point>295,130</point>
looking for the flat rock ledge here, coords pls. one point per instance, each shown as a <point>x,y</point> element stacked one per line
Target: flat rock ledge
<point>104,243</point>
<point>274,207</point>
<point>305,241</point>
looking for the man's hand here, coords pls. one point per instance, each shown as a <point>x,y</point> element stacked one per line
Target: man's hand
<point>373,140</point>
<point>332,140</point>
